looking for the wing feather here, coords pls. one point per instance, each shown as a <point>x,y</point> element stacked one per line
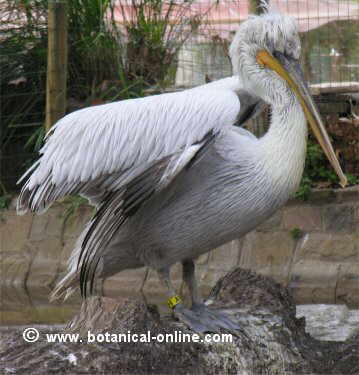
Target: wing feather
<point>119,205</point>
<point>115,138</point>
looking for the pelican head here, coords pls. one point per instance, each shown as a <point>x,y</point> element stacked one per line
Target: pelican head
<point>265,54</point>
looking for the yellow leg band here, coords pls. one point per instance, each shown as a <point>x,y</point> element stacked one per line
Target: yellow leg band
<point>173,301</point>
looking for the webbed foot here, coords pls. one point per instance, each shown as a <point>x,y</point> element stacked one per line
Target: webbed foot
<point>200,318</point>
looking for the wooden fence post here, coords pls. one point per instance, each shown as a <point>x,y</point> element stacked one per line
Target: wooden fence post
<point>56,62</point>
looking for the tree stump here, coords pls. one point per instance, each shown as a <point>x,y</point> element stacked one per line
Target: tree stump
<point>272,340</point>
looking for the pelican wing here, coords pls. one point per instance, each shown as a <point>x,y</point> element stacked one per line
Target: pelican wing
<point>97,149</point>
<point>123,203</point>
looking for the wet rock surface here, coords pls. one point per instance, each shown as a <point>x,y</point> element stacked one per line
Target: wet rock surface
<point>271,340</point>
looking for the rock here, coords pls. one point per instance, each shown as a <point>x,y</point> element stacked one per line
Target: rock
<point>330,322</point>
<point>271,339</point>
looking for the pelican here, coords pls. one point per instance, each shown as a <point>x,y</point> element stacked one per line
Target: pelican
<point>171,175</point>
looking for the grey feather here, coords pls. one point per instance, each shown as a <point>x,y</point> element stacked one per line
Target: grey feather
<point>251,107</point>
<point>118,206</point>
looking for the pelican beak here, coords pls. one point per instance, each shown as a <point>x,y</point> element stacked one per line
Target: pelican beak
<point>290,70</point>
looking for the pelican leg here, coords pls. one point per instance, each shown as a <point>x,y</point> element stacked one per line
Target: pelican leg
<point>145,277</point>
<point>199,318</point>
<point>189,278</point>
<point>187,316</point>
<point>211,319</point>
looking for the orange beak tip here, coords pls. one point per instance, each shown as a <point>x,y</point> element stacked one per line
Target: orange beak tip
<point>343,183</point>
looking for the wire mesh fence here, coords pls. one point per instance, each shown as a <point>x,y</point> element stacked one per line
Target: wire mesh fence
<point>126,48</point>
<point>329,31</point>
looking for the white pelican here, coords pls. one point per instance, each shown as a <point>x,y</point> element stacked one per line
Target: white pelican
<point>170,175</point>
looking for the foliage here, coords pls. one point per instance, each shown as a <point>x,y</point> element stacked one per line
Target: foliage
<point>4,202</point>
<point>111,61</point>
<point>94,48</point>
<point>22,68</point>
<point>36,139</point>
<point>142,48</point>
<point>296,233</point>
<point>22,80</point>
<point>316,168</point>
<point>304,190</point>
<point>318,172</point>
<point>156,30</point>
<point>5,198</point>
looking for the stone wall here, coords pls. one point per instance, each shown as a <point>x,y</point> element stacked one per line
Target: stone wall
<point>313,247</point>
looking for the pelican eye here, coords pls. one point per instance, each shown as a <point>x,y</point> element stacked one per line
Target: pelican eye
<point>290,45</point>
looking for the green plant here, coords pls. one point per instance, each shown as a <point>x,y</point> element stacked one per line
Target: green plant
<point>304,189</point>
<point>22,80</point>
<point>5,198</point>
<point>36,139</point>
<point>352,180</point>
<point>156,30</point>
<point>318,172</point>
<point>296,233</point>
<point>117,58</point>
<point>95,47</point>
<point>316,166</point>
<point>4,202</point>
